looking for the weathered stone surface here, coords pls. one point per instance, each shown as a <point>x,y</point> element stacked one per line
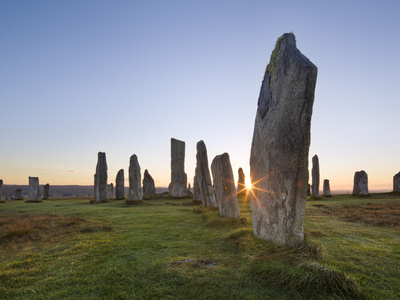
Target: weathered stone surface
<point>396,183</point>
<point>110,191</point>
<point>100,179</point>
<point>18,194</point>
<point>149,187</point>
<point>327,188</point>
<point>315,177</point>
<point>120,185</point>
<point>135,194</point>
<point>280,146</point>
<point>224,186</point>
<point>241,188</point>
<point>177,187</point>
<point>33,189</point>
<point>1,185</point>
<point>203,176</point>
<point>360,187</point>
<point>196,189</point>
<point>46,190</point>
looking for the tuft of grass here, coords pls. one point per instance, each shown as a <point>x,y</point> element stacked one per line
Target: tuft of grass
<point>96,228</point>
<point>307,276</point>
<point>227,222</point>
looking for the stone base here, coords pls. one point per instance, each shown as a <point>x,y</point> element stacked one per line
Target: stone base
<point>33,201</point>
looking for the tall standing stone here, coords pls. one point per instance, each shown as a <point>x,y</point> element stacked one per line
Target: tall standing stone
<point>203,176</point>
<point>280,146</point>
<point>100,179</point>
<point>315,176</point>
<point>241,188</point>
<point>149,187</point>
<point>224,186</point>
<point>135,195</point>
<point>120,185</point>
<point>396,183</point>
<point>177,187</point>
<point>1,185</point>
<point>196,189</point>
<point>46,191</point>
<point>360,187</point>
<point>327,188</point>
<point>18,194</point>
<point>110,191</point>
<point>33,189</point>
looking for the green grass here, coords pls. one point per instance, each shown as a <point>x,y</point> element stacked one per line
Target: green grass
<point>71,249</point>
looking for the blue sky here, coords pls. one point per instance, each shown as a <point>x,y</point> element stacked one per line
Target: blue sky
<point>123,77</point>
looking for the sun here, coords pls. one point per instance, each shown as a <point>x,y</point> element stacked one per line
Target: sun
<point>248,185</point>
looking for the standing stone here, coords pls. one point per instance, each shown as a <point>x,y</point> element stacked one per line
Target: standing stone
<point>46,190</point>
<point>396,183</point>
<point>360,187</point>
<point>308,189</point>
<point>135,195</point>
<point>241,188</point>
<point>327,188</point>
<point>120,185</point>
<point>280,146</point>
<point>100,179</point>
<point>196,190</point>
<point>149,187</point>
<point>18,194</point>
<point>177,187</point>
<point>33,189</point>
<point>315,177</point>
<point>203,176</point>
<point>110,191</point>
<point>189,190</point>
<point>224,186</point>
<point>1,185</point>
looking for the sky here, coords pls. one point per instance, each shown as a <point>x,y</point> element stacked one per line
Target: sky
<point>124,77</point>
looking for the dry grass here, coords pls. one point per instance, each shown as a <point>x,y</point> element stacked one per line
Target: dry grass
<point>378,214</point>
<point>18,231</point>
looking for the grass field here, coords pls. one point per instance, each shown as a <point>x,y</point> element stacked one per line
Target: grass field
<point>71,249</point>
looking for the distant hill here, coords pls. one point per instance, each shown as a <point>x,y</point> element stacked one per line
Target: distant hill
<point>61,190</point>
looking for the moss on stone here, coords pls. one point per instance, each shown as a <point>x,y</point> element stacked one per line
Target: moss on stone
<point>271,67</point>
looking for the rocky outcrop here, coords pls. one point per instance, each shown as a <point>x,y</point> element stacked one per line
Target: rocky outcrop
<point>33,189</point>
<point>203,176</point>
<point>177,187</point>
<point>135,195</point>
<point>315,177</point>
<point>100,179</point>
<point>280,146</point>
<point>327,188</point>
<point>360,187</point>
<point>120,185</point>
<point>149,187</point>
<point>224,186</point>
